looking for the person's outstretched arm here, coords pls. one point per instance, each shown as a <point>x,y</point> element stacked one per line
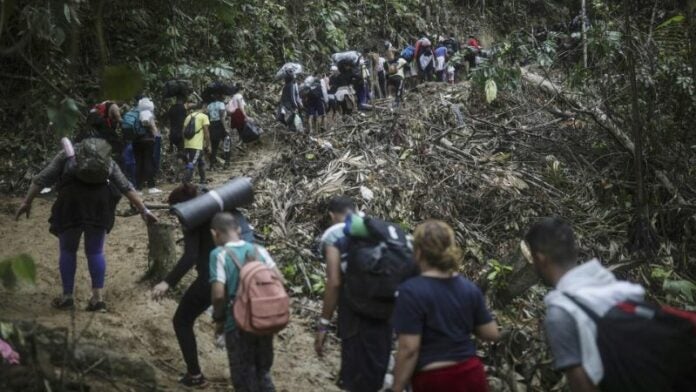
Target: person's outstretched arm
<point>46,178</point>
<point>406,360</point>
<point>331,293</point>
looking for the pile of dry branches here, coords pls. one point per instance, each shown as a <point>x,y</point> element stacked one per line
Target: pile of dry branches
<point>487,170</point>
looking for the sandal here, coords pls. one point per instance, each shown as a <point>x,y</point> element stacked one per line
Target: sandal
<point>63,303</point>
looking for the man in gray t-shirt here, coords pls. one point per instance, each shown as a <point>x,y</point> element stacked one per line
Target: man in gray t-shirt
<point>562,335</point>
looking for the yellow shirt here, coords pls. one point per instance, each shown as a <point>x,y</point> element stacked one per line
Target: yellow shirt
<point>196,142</point>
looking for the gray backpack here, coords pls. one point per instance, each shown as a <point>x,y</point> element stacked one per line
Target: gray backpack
<point>92,161</point>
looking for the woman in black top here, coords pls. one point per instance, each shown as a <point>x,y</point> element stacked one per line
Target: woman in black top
<point>198,243</point>
<point>82,209</point>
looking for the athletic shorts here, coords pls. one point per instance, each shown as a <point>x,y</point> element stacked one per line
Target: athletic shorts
<point>315,107</point>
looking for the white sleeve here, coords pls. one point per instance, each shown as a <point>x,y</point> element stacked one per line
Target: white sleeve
<point>220,274</point>
<point>266,256</point>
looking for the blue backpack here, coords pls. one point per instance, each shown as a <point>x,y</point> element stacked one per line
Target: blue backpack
<point>408,53</point>
<point>131,126</point>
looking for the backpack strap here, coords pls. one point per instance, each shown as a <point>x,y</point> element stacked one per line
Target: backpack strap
<point>234,258</point>
<point>590,313</point>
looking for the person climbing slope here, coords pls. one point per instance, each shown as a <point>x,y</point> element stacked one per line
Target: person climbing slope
<point>217,115</point>
<point>291,103</point>
<point>83,207</point>
<point>436,314</point>
<point>441,60</point>
<point>250,355</point>
<point>196,141</point>
<point>602,334</point>
<point>198,243</point>
<point>365,341</point>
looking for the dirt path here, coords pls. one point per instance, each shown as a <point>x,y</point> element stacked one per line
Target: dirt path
<point>135,325</point>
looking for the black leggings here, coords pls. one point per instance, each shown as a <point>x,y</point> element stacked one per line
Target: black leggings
<point>217,135</point>
<point>144,154</point>
<point>195,301</point>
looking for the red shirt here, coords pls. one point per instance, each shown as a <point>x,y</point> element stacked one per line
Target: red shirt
<point>473,42</point>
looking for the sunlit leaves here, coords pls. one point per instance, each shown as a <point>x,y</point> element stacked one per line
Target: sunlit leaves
<point>17,270</point>
<point>64,117</point>
<point>491,90</point>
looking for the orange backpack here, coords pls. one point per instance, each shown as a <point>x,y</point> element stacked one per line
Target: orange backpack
<point>261,306</point>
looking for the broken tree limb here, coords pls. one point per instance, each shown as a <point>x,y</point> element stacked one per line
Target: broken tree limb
<point>600,118</point>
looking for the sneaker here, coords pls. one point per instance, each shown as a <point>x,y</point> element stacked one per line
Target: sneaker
<point>99,306</point>
<point>63,303</point>
<point>154,191</point>
<point>193,382</point>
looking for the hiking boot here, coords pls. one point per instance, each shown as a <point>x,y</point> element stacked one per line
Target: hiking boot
<point>193,382</point>
<point>99,306</point>
<point>63,303</point>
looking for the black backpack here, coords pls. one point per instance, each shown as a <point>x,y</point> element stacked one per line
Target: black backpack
<point>645,347</point>
<point>250,133</point>
<point>190,129</point>
<point>376,266</point>
<point>315,90</point>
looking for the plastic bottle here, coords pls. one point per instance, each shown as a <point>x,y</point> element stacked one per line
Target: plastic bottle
<point>227,144</point>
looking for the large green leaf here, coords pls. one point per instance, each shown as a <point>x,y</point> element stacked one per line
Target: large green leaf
<point>24,268</point>
<point>682,288</point>
<point>121,82</point>
<point>491,90</point>
<point>64,117</point>
<point>676,19</point>
<point>17,269</point>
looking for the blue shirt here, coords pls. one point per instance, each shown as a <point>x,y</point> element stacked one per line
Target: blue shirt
<point>224,270</point>
<point>214,109</point>
<point>441,51</point>
<point>444,312</point>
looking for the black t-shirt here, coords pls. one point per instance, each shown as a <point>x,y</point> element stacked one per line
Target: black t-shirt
<point>444,312</point>
<point>198,243</point>
<point>177,114</point>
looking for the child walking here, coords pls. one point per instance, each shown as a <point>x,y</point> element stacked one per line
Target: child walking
<point>250,356</point>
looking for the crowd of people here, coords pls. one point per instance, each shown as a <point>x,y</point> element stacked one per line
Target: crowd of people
<point>356,78</point>
<point>390,290</point>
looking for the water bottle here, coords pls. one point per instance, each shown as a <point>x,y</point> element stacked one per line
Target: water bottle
<point>227,144</point>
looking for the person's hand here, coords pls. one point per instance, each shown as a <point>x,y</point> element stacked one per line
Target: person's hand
<point>159,290</point>
<point>219,328</point>
<point>207,150</point>
<point>148,216</point>
<point>24,208</point>
<point>319,341</point>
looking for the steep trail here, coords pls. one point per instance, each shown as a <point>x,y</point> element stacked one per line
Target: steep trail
<point>135,324</point>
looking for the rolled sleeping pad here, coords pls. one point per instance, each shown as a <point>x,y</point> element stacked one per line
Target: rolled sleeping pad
<point>235,193</point>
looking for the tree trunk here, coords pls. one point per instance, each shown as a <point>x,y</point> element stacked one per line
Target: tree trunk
<point>584,33</point>
<point>643,237</point>
<point>161,254</point>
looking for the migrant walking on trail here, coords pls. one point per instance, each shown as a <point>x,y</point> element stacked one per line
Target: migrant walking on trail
<point>250,356</point>
<point>436,314</point>
<point>198,243</point>
<point>84,206</point>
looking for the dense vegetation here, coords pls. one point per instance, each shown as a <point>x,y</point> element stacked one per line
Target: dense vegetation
<point>622,122</point>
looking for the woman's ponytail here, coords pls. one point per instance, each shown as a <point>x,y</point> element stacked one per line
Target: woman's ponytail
<point>436,243</point>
